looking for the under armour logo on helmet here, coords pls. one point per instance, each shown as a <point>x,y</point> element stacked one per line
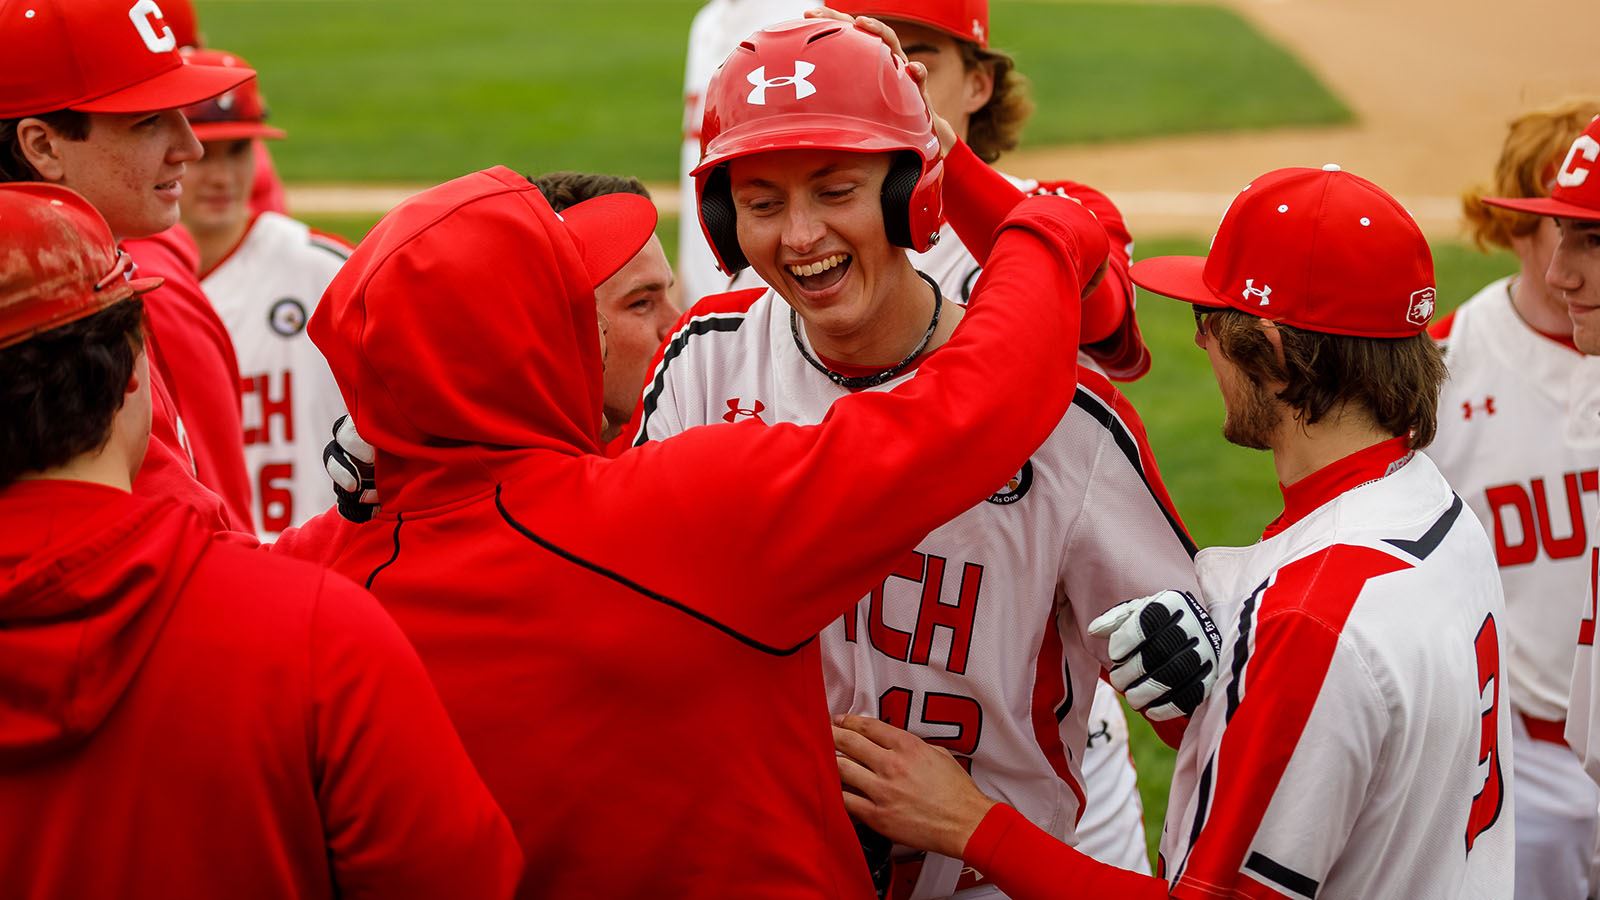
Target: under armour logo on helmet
<point>1264,292</point>
<point>802,87</point>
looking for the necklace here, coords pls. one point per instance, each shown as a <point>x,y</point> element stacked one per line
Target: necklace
<point>854,382</point>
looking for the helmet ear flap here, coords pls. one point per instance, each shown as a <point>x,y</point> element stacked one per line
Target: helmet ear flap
<point>718,221</point>
<point>905,170</point>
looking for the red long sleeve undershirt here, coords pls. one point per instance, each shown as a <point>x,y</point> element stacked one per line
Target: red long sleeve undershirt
<point>1028,864</point>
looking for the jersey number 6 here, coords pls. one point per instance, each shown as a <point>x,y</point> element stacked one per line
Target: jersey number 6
<point>1487,804</point>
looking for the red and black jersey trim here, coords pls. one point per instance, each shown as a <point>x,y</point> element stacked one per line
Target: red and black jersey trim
<point>1282,876</point>
<point>1102,412</point>
<point>634,586</point>
<point>674,348</point>
<point>1423,547</point>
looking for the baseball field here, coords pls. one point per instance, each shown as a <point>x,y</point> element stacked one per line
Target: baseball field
<point>1174,105</point>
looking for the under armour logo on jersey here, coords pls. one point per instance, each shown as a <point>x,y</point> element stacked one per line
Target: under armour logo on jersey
<point>145,14</point>
<point>1573,175</point>
<point>736,412</point>
<point>1103,734</point>
<point>1264,292</point>
<point>1421,308</point>
<point>802,87</point>
<point>1468,407</point>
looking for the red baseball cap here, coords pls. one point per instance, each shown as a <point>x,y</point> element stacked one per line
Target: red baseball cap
<point>58,261</point>
<point>964,20</point>
<point>98,56</point>
<point>1576,193</point>
<point>1319,249</point>
<point>233,114</point>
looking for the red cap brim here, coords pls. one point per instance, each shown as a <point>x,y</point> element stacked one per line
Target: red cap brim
<point>610,230</point>
<point>1178,277</point>
<point>177,87</point>
<point>235,131</point>
<point>1545,206</point>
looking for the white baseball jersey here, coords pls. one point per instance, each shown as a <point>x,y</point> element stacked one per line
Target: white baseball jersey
<point>1501,446</point>
<point>975,642</point>
<point>1357,743</point>
<point>1583,719</point>
<point>264,292</point>
<point>718,27</point>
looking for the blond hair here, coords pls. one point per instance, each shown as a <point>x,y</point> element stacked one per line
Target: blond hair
<point>1535,145</point>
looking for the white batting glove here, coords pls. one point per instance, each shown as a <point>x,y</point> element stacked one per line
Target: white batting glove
<point>349,460</point>
<point>1165,651</point>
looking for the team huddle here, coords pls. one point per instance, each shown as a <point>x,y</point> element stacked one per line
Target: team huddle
<point>824,566</point>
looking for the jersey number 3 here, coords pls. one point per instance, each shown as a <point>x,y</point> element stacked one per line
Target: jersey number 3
<point>1487,804</point>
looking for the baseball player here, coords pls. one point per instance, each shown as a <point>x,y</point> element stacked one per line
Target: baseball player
<point>978,90</point>
<point>976,638</point>
<point>179,717</point>
<point>600,627</point>
<point>97,89</point>
<point>1573,275</point>
<point>1511,359</point>
<point>264,273</point>
<point>1358,743</point>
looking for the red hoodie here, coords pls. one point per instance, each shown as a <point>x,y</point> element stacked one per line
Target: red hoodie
<point>626,645</point>
<point>190,348</point>
<point>181,718</point>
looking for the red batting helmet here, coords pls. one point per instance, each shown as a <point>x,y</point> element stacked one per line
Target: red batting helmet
<point>58,261</point>
<point>819,85</point>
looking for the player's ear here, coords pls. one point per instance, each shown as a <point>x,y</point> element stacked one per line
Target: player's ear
<point>40,146</point>
<point>979,87</point>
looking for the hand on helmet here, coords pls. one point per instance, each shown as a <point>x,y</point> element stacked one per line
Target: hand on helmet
<point>919,73</point>
<point>1165,650</point>
<point>348,460</point>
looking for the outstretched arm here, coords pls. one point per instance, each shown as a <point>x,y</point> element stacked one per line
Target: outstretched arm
<point>918,795</point>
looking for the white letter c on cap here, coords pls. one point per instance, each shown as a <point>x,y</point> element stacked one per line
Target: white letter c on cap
<point>144,14</point>
<point>1572,175</point>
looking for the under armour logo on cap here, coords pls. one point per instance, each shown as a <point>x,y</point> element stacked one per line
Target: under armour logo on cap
<point>802,87</point>
<point>1264,292</point>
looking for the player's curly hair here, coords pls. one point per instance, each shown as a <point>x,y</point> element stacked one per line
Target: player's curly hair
<point>60,389</point>
<point>1535,145</point>
<point>1396,381</point>
<point>564,189</point>
<point>997,127</point>
<point>14,165</point>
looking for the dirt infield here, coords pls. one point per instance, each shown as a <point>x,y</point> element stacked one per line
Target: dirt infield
<point>1432,84</point>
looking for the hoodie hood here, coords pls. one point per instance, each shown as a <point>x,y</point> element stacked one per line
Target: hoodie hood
<point>88,577</point>
<point>463,329</point>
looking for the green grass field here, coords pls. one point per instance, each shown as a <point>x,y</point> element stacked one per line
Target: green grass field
<point>438,89</point>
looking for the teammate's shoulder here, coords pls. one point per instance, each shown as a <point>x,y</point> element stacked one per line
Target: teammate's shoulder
<point>1441,328</point>
<point>727,303</point>
<point>329,242</point>
<point>1096,390</point>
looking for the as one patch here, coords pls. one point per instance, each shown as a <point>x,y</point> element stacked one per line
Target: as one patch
<point>1016,487</point>
<point>288,317</point>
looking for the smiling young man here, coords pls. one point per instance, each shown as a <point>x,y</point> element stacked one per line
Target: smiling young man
<point>1501,444</point>
<point>93,105</point>
<point>977,637</point>
<point>1356,743</point>
<point>1573,276</point>
<point>264,273</point>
